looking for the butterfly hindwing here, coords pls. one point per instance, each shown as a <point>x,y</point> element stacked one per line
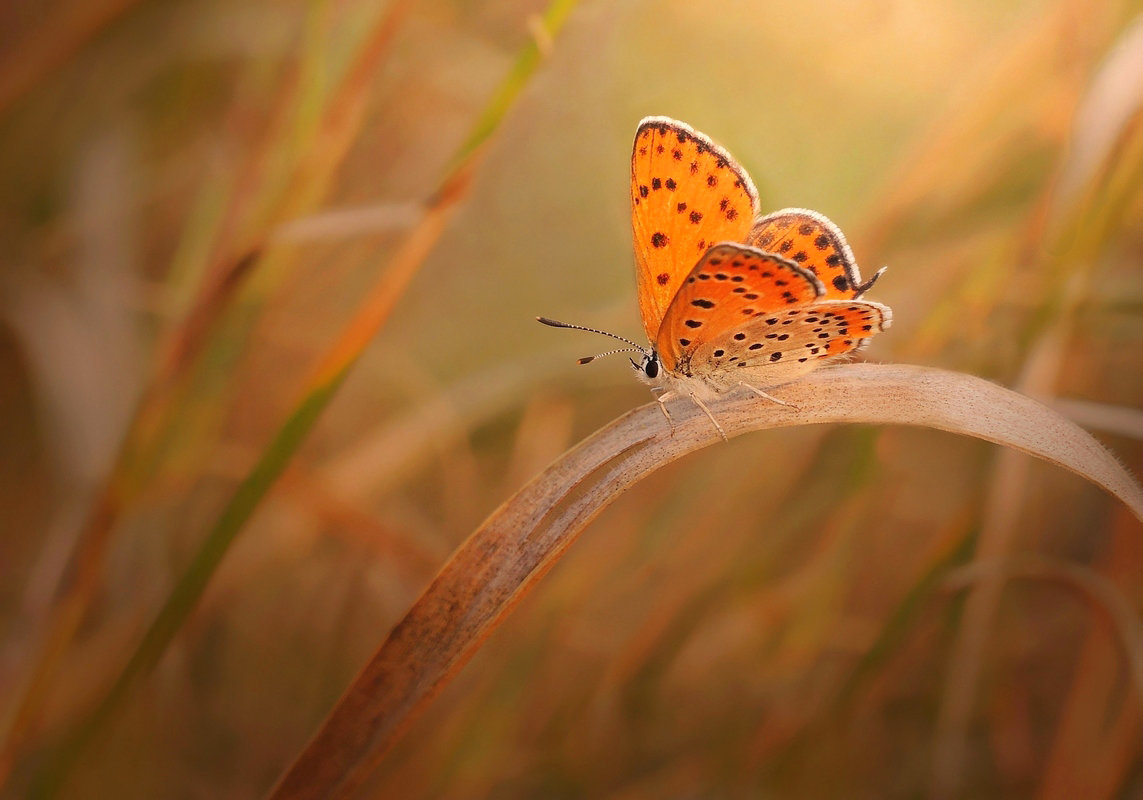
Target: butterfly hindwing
<point>730,288</point>
<point>778,347</point>
<point>812,240</point>
<point>687,194</point>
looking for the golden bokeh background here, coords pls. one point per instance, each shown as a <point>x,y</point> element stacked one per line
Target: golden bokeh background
<point>783,615</point>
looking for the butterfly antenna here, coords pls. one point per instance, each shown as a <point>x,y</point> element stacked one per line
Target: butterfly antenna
<point>589,359</point>
<point>634,348</point>
<point>556,324</point>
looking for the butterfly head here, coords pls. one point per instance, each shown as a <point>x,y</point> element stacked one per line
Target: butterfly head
<point>650,368</point>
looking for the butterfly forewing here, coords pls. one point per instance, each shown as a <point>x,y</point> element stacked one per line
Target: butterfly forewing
<point>728,291</point>
<point>777,347</point>
<point>687,194</point>
<point>812,240</point>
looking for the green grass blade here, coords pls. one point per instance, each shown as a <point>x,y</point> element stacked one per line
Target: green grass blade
<point>187,592</point>
<point>190,587</point>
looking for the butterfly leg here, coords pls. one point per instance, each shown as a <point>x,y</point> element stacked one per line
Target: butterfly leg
<point>663,398</point>
<point>706,410</point>
<point>769,397</point>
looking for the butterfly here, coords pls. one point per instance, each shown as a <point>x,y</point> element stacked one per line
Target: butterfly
<point>729,299</point>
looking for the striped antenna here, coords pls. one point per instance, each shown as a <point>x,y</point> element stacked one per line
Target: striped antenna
<point>634,348</point>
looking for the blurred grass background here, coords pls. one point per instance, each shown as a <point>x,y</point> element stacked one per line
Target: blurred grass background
<point>782,615</point>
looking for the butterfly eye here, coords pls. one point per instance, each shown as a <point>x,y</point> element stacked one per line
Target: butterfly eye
<point>651,365</point>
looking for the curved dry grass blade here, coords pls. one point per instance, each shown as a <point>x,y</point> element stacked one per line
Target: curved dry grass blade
<point>1095,743</point>
<point>1103,594</point>
<point>523,539</point>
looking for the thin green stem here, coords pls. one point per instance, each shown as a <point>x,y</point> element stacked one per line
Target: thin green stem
<point>277,455</point>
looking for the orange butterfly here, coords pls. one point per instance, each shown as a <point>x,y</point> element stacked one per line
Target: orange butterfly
<point>729,299</point>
